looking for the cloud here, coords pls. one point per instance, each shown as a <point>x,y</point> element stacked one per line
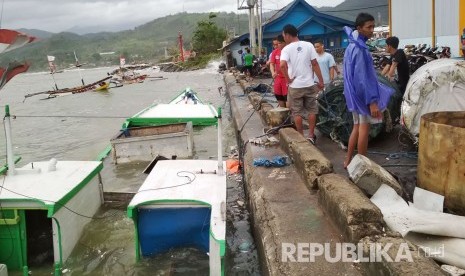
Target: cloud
<point>111,15</point>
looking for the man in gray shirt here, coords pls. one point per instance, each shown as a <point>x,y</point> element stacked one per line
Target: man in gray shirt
<point>326,61</point>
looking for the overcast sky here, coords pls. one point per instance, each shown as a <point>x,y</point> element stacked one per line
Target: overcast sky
<point>113,15</point>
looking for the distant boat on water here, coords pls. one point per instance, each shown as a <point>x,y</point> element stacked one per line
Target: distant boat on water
<point>100,85</point>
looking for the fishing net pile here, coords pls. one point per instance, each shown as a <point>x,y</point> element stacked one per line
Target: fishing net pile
<point>335,121</point>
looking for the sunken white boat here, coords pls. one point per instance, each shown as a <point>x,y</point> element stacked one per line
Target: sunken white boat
<point>44,208</point>
<point>146,143</point>
<point>185,107</point>
<point>182,203</point>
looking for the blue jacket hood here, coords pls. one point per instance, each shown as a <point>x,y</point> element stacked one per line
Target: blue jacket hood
<point>355,37</point>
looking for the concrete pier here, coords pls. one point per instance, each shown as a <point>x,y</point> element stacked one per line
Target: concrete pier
<point>306,202</point>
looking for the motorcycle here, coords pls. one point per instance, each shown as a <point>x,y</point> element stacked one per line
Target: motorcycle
<point>260,69</point>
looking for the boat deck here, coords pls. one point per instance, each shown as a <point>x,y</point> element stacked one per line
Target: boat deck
<point>185,107</point>
<point>198,114</point>
<point>180,111</point>
<point>47,188</point>
<point>186,182</point>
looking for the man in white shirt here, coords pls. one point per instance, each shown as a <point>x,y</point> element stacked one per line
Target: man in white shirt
<point>298,64</point>
<point>326,62</point>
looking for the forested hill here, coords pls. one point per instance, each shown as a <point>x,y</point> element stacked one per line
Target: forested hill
<point>146,43</point>
<point>142,44</point>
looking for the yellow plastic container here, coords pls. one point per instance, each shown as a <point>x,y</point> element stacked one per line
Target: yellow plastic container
<point>441,157</point>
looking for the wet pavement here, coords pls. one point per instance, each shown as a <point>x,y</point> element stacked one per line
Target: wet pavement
<point>284,210</point>
<point>394,151</point>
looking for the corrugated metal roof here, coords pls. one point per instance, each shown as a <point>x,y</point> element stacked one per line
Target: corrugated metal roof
<point>234,40</point>
<point>286,9</point>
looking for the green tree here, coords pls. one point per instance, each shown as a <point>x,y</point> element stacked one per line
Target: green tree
<point>212,15</point>
<point>208,37</point>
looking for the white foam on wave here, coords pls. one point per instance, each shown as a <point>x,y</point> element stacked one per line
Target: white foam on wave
<point>212,66</point>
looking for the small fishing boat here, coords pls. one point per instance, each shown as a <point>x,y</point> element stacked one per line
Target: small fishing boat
<point>182,203</point>
<point>79,89</point>
<point>185,107</point>
<point>134,79</point>
<point>120,80</point>
<point>116,83</point>
<point>44,207</point>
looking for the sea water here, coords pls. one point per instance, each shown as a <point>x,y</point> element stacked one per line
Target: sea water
<point>80,126</point>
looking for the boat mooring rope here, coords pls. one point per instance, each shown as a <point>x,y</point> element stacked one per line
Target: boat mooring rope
<point>190,180</point>
<point>59,204</point>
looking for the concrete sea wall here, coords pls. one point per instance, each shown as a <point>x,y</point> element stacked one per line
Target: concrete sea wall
<point>306,202</point>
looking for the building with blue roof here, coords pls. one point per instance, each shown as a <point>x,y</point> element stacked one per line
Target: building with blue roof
<point>310,23</point>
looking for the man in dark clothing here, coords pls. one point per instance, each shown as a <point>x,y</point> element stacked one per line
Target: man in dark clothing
<point>398,61</point>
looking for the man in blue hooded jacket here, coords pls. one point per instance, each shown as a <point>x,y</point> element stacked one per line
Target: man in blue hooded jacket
<point>365,97</point>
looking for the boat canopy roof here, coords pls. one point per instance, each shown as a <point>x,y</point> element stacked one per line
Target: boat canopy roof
<point>47,189</point>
